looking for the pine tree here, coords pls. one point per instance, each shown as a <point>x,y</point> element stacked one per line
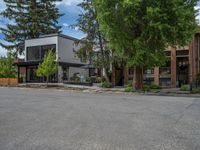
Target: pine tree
<point>31,18</point>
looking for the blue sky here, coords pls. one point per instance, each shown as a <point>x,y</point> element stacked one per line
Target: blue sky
<point>70,10</point>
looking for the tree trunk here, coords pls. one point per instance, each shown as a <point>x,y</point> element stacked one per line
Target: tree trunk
<point>138,78</point>
<point>106,75</point>
<point>104,66</point>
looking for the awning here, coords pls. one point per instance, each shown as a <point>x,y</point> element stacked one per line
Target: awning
<point>29,63</point>
<point>88,66</point>
<point>35,63</point>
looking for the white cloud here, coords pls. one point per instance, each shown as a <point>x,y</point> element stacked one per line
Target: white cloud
<point>198,14</point>
<point>69,2</point>
<point>76,28</point>
<point>3,52</point>
<point>66,25</point>
<point>2,6</point>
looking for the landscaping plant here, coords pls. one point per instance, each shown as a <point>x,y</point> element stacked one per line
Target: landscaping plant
<point>141,30</point>
<point>48,66</point>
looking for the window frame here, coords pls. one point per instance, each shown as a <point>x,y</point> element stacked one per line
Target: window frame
<point>40,51</point>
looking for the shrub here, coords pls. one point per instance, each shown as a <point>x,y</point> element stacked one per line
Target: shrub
<point>106,84</point>
<point>196,90</point>
<point>155,86</point>
<point>75,78</point>
<point>103,79</point>
<point>185,88</point>
<point>146,87</point>
<point>129,84</point>
<point>88,79</point>
<point>198,77</point>
<point>98,79</point>
<point>129,89</point>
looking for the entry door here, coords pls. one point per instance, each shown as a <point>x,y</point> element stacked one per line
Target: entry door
<point>32,77</point>
<point>119,80</point>
<point>182,70</point>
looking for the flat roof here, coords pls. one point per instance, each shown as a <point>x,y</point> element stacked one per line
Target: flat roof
<point>55,34</point>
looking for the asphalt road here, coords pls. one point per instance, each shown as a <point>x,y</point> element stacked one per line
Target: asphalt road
<point>35,119</point>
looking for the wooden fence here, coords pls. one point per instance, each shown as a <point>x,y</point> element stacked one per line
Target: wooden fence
<point>8,81</point>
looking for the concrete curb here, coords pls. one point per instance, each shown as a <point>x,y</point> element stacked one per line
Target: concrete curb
<point>111,90</point>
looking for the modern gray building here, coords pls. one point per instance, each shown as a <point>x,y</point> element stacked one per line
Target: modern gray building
<point>64,47</point>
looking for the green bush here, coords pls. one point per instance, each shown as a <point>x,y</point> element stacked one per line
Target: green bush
<point>98,79</point>
<point>198,77</point>
<point>185,88</point>
<point>129,89</point>
<point>75,78</point>
<point>196,90</point>
<point>155,86</point>
<point>7,69</point>
<point>106,84</point>
<point>146,87</point>
<point>129,84</point>
<point>88,79</point>
<point>103,79</point>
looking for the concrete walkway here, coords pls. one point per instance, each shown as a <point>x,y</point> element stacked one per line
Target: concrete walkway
<point>98,89</point>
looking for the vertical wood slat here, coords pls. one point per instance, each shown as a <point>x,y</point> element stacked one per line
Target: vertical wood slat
<point>8,81</point>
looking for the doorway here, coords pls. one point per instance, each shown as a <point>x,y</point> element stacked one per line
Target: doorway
<point>119,76</point>
<point>182,65</point>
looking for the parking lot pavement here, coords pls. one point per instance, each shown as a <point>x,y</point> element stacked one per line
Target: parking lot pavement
<point>41,119</point>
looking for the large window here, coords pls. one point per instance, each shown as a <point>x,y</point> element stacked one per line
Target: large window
<point>37,53</point>
<point>165,82</point>
<point>148,71</point>
<point>33,53</point>
<point>165,71</point>
<point>46,48</point>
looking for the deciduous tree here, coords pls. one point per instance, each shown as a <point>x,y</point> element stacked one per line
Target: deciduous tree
<point>142,29</point>
<point>94,39</point>
<point>7,68</point>
<point>48,67</point>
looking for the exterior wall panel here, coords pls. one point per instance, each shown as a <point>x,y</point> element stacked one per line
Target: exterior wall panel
<point>66,51</point>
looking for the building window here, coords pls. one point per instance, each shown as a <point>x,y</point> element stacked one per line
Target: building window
<point>148,81</point>
<point>37,53</point>
<point>148,71</point>
<point>166,69</point>
<point>165,82</point>
<point>181,53</point>
<point>47,48</point>
<point>33,53</point>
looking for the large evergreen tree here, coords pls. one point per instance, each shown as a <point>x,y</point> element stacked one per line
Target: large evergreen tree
<point>142,29</point>
<point>30,18</point>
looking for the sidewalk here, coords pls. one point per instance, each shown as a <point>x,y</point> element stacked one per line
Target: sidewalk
<point>97,89</point>
<point>71,86</point>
